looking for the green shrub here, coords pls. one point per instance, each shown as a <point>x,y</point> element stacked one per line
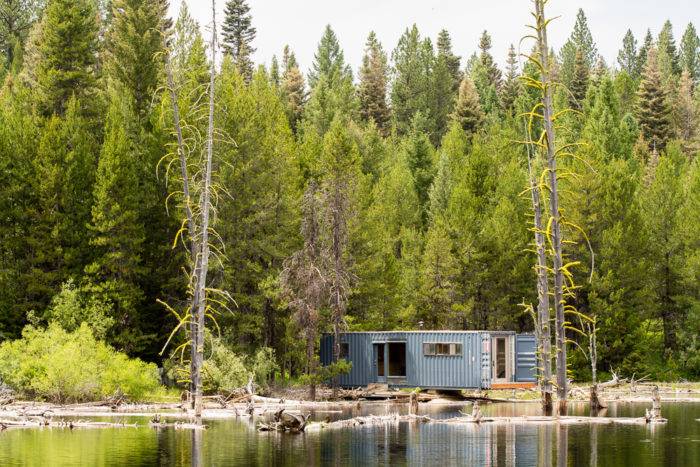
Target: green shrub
<point>62,366</point>
<point>223,370</point>
<point>264,365</point>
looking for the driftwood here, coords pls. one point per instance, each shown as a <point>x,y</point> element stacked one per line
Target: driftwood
<point>71,424</point>
<point>286,422</point>
<point>371,420</point>
<point>615,381</point>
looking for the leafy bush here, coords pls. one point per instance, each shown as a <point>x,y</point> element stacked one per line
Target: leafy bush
<point>264,365</point>
<point>63,366</point>
<point>223,370</point>
<point>325,374</point>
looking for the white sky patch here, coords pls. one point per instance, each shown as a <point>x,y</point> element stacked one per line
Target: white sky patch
<point>300,23</point>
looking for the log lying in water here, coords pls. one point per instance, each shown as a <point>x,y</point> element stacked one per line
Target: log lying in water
<point>40,423</point>
<point>567,420</point>
<point>370,420</point>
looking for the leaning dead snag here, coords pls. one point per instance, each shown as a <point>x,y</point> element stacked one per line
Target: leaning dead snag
<point>554,228</point>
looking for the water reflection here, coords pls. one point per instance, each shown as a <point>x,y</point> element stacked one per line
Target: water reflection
<point>231,442</point>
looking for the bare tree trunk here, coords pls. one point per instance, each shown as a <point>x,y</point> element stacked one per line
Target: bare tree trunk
<point>191,227</point>
<point>338,302</point>
<point>204,238</point>
<point>547,110</point>
<point>311,367</point>
<point>544,337</point>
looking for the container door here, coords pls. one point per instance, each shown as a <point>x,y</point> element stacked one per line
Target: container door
<point>499,359</point>
<point>379,363</point>
<point>525,358</point>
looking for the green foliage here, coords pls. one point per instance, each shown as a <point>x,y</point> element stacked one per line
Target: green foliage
<point>327,373</point>
<point>223,370</point>
<point>238,36</point>
<point>70,309</point>
<point>43,364</point>
<point>134,43</point>
<point>68,52</point>
<point>411,89</point>
<point>581,40</point>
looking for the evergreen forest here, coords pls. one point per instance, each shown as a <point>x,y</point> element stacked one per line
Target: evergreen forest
<point>395,196</point>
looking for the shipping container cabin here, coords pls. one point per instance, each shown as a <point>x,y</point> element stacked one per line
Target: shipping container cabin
<point>448,360</point>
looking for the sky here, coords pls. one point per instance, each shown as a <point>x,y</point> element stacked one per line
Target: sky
<point>300,23</point>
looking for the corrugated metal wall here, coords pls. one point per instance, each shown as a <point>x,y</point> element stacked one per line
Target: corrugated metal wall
<point>427,371</point>
<point>471,369</point>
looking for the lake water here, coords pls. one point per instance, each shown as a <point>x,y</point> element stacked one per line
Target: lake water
<point>235,442</point>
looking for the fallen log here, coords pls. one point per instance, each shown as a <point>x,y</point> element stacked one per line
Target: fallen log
<point>71,424</point>
<point>370,420</point>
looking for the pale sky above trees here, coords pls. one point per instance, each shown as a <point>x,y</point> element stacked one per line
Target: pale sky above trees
<point>301,23</point>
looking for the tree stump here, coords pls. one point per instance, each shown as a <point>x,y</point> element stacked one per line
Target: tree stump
<point>655,413</point>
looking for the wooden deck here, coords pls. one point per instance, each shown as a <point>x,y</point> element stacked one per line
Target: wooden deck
<point>513,385</point>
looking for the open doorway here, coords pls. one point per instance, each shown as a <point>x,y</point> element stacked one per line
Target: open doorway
<point>397,359</point>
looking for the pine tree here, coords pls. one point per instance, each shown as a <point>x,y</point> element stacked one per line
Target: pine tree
<point>329,61</point>
<point>16,20</point>
<point>662,202</point>
<point>667,53</point>
<point>579,82</point>
<point>643,52</point>
<point>373,85</point>
<point>580,39</point>
<point>492,71</point>
<point>413,60</point>
<point>627,57</point>
<point>686,116</point>
<point>118,234</point>
<point>690,53</point>
<point>511,86</point>
<point>275,77</point>
<point>293,90</point>
<point>468,111</point>
<point>68,51</point>
<point>418,152</point>
<point>452,61</point>
<point>289,60</point>
<point>653,111</point>
<point>63,175</point>
<point>238,35</point>
<point>438,272</point>
<point>134,43</point>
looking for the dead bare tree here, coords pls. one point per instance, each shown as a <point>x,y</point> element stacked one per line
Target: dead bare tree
<point>303,280</point>
<point>340,166</point>
<point>554,230</point>
<point>204,251</point>
<point>542,320</point>
<point>182,155</point>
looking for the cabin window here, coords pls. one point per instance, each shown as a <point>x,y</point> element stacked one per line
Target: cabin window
<point>442,349</point>
<point>344,350</point>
